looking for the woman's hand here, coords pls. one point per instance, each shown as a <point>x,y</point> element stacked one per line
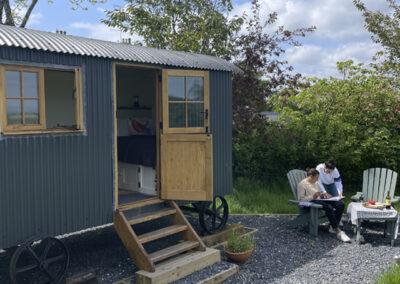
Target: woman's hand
<point>326,195</point>
<point>316,195</point>
<point>340,194</point>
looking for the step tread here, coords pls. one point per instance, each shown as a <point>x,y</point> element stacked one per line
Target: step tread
<point>154,235</point>
<point>172,250</point>
<point>137,204</point>
<point>151,215</point>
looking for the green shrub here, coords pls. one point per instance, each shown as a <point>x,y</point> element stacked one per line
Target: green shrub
<point>240,243</point>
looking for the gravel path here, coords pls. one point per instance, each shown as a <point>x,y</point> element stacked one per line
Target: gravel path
<point>283,255</point>
<point>293,256</point>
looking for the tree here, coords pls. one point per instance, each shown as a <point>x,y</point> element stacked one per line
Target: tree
<point>264,70</point>
<point>17,12</point>
<point>386,31</point>
<point>200,26</point>
<point>355,119</point>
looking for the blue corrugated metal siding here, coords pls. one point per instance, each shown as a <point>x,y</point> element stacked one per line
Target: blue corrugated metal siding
<point>221,129</point>
<point>52,184</point>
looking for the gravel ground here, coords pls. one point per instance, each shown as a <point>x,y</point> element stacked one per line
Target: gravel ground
<point>283,255</point>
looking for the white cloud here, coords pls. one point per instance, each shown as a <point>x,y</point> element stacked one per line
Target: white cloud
<point>340,33</point>
<point>103,32</point>
<point>313,60</point>
<point>35,19</point>
<point>334,19</point>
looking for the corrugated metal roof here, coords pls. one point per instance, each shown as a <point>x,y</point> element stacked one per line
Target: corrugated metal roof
<point>40,40</point>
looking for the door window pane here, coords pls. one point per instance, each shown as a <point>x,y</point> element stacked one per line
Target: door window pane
<point>195,88</point>
<point>13,84</point>
<point>176,88</point>
<point>31,111</point>
<point>30,84</point>
<point>177,115</point>
<point>14,114</point>
<point>195,115</point>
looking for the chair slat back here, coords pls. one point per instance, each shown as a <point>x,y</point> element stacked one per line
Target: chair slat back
<point>296,176</point>
<point>377,182</point>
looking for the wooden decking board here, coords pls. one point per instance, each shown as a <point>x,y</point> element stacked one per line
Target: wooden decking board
<point>151,216</point>
<point>154,235</point>
<point>178,267</point>
<point>137,204</point>
<point>172,250</point>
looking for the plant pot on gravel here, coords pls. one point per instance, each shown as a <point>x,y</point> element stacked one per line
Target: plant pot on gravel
<point>239,247</point>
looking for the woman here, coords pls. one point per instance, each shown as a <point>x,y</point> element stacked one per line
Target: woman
<point>329,178</point>
<point>308,190</point>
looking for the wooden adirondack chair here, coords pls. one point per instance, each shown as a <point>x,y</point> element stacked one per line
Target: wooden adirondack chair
<point>313,215</point>
<point>377,182</point>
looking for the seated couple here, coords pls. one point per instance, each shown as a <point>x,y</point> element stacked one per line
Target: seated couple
<point>309,190</point>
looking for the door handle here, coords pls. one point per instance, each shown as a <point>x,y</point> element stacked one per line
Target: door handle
<point>205,113</point>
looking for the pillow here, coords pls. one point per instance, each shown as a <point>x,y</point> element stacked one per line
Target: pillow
<point>139,127</point>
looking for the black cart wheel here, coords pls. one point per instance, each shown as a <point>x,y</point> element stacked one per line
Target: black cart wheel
<point>214,215</point>
<point>45,262</point>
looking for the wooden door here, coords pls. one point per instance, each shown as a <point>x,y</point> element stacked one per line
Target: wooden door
<point>186,144</point>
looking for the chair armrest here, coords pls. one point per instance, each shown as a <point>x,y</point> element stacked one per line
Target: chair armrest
<point>396,199</point>
<point>356,198</point>
<point>314,205</point>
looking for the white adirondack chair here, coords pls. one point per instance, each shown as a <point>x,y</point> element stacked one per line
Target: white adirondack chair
<point>312,215</point>
<point>377,182</point>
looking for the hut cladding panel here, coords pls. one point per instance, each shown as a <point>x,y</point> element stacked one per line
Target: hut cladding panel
<point>53,183</point>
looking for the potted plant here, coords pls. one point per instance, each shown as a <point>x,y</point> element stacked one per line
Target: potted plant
<point>239,247</point>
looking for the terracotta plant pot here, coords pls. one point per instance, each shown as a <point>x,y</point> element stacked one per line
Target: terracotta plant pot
<point>239,256</point>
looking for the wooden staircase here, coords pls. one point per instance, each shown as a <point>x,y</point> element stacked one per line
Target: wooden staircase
<point>126,215</point>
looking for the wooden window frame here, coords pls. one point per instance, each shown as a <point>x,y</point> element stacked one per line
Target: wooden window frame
<point>165,101</point>
<point>41,127</point>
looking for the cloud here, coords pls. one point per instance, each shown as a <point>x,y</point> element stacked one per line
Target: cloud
<point>35,19</point>
<point>313,60</point>
<point>334,19</point>
<point>103,32</point>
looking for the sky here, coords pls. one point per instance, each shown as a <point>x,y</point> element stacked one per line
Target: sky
<point>340,33</point>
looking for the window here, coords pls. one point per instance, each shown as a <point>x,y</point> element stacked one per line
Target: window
<point>185,101</point>
<point>38,100</point>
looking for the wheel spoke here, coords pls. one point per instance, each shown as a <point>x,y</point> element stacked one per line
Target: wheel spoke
<point>26,268</point>
<point>220,218</point>
<point>33,253</point>
<point>55,259</point>
<point>209,212</point>
<point>49,274</point>
<point>47,247</point>
<point>220,207</point>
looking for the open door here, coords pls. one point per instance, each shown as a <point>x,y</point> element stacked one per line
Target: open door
<point>186,144</point>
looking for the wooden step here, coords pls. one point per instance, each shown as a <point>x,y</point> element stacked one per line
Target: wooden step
<point>154,235</point>
<point>137,204</point>
<point>172,250</point>
<point>151,215</point>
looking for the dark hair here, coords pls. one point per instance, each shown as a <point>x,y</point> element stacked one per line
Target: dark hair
<point>330,164</point>
<point>312,172</point>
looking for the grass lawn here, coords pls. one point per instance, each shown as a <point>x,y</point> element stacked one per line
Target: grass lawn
<point>392,276</point>
<point>256,197</point>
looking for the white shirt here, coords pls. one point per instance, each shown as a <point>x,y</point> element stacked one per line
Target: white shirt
<point>333,177</point>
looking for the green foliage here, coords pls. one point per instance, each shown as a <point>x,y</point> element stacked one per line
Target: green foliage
<point>385,29</point>
<point>200,26</point>
<point>355,119</point>
<point>392,276</point>
<point>240,243</point>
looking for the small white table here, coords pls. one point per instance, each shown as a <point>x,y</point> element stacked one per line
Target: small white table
<point>357,213</point>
